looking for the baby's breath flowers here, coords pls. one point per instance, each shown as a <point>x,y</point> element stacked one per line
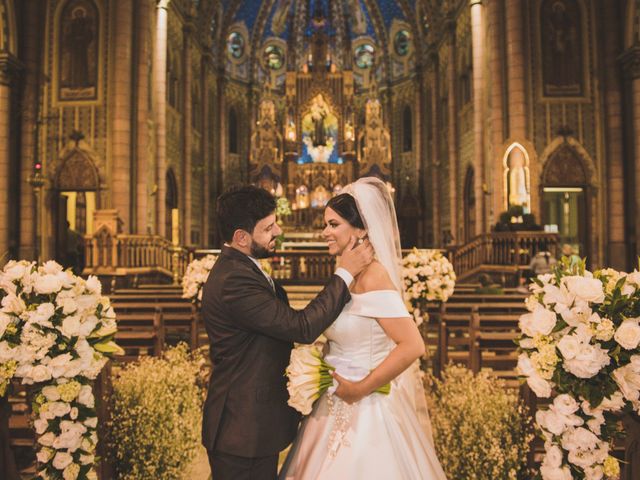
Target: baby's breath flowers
<point>481,429</point>
<point>156,414</point>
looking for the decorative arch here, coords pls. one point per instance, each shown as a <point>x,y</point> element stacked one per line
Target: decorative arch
<point>586,161</point>
<point>77,172</point>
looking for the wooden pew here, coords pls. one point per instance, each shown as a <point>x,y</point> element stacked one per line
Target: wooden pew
<point>140,329</point>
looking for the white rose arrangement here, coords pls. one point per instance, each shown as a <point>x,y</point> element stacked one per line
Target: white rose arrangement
<point>197,273</point>
<point>580,345</point>
<point>310,376</point>
<point>195,277</point>
<point>56,334</point>
<point>428,276</point>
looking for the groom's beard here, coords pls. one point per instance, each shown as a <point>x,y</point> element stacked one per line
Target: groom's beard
<point>260,251</point>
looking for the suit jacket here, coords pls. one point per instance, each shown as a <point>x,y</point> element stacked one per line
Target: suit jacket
<point>251,328</point>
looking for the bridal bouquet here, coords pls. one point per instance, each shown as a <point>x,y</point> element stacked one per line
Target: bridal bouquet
<point>195,277</point>
<point>428,276</point>
<point>580,344</point>
<point>309,377</point>
<point>56,333</point>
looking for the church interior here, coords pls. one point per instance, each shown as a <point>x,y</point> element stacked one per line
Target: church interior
<point>502,128</point>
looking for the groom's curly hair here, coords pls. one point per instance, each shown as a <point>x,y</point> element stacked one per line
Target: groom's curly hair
<point>241,208</point>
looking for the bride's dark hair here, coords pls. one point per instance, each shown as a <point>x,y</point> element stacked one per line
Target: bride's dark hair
<point>345,206</point>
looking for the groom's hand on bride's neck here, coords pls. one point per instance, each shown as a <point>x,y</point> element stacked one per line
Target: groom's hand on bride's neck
<point>356,257</point>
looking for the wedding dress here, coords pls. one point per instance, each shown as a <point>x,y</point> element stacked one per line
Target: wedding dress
<point>381,437</point>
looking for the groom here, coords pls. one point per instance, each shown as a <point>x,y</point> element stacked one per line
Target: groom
<point>251,327</point>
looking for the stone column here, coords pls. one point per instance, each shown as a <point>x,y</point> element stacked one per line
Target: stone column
<point>205,147</point>
<point>121,113</point>
<point>187,135</point>
<point>515,72</point>
<point>631,62</point>
<point>8,73</point>
<point>497,136</point>
<point>616,246</point>
<point>160,111</point>
<point>478,53</point>
<point>143,143</point>
<point>32,27</point>
<point>452,129</point>
<point>433,76</point>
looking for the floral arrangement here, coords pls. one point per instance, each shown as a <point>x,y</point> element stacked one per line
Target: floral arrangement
<point>56,334</point>
<point>580,344</point>
<point>310,376</point>
<point>196,276</point>
<point>156,414</point>
<point>481,429</point>
<point>198,272</point>
<point>428,276</point>
<point>283,208</point>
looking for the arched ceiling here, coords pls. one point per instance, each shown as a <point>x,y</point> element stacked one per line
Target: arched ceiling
<point>290,21</point>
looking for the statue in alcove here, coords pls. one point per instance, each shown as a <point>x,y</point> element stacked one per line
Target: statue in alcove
<point>517,178</point>
<point>319,131</point>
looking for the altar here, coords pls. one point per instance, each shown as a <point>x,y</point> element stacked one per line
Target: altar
<point>322,137</point>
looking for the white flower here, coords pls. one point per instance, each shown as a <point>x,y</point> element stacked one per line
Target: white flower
<point>5,321</point>
<point>553,456</point>
<point>85,397</point>
<point>15,270</point>
<point>554,473</point>
<point>539,322</point>
<point>40,425</point>
<point>71,472</point>
<point>593,473</point>
<point>91,422</point>
<point>42,314</point>
<point>59,365</point>
<point>579,439</point>
<point>51,267</point>
<point>70,326</point>
<point>13,304</point>
<point>94,285</point>
<point>61,460</point>
<point>39,373</point>
<point>51,393</point>
<point>44,455</point>
<point>585,288</point>
<point>540,386</point>
<point>569,346</point>
<point>628,379</point>
<point>565,404</point>
<point>634,277</point>
<point>628,334</point>
<point>47,284</point>
<point>615,403</point>
<point>59,409</point>
<point>588,362</point>
<point>604,330</point>
<point>47,439</point>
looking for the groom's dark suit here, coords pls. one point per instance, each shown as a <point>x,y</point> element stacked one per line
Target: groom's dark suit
<point>251,329</point>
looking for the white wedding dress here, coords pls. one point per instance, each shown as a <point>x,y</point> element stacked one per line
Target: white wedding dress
<point>383,437</point>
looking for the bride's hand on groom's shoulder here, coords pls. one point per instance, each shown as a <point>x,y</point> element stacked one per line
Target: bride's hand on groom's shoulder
<point>356,256</point>
<point>350,392</point>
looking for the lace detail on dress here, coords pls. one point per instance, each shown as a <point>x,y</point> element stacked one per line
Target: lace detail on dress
<point>342,413</point>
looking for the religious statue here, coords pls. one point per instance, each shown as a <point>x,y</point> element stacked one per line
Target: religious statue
<point>517,187</point>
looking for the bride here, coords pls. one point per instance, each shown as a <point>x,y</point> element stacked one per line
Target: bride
<point>354,432</point>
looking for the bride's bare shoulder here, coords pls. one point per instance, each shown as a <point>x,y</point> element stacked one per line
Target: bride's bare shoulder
<point>374,277</point>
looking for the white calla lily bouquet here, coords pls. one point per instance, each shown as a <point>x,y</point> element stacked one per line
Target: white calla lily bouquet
<point>580,345</point>
<point>310,376</point>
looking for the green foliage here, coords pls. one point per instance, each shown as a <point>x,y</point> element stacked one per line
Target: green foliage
<point>156,414</point>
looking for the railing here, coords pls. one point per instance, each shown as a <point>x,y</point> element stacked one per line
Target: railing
<point>124,254</point>
<point>501,248</point>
